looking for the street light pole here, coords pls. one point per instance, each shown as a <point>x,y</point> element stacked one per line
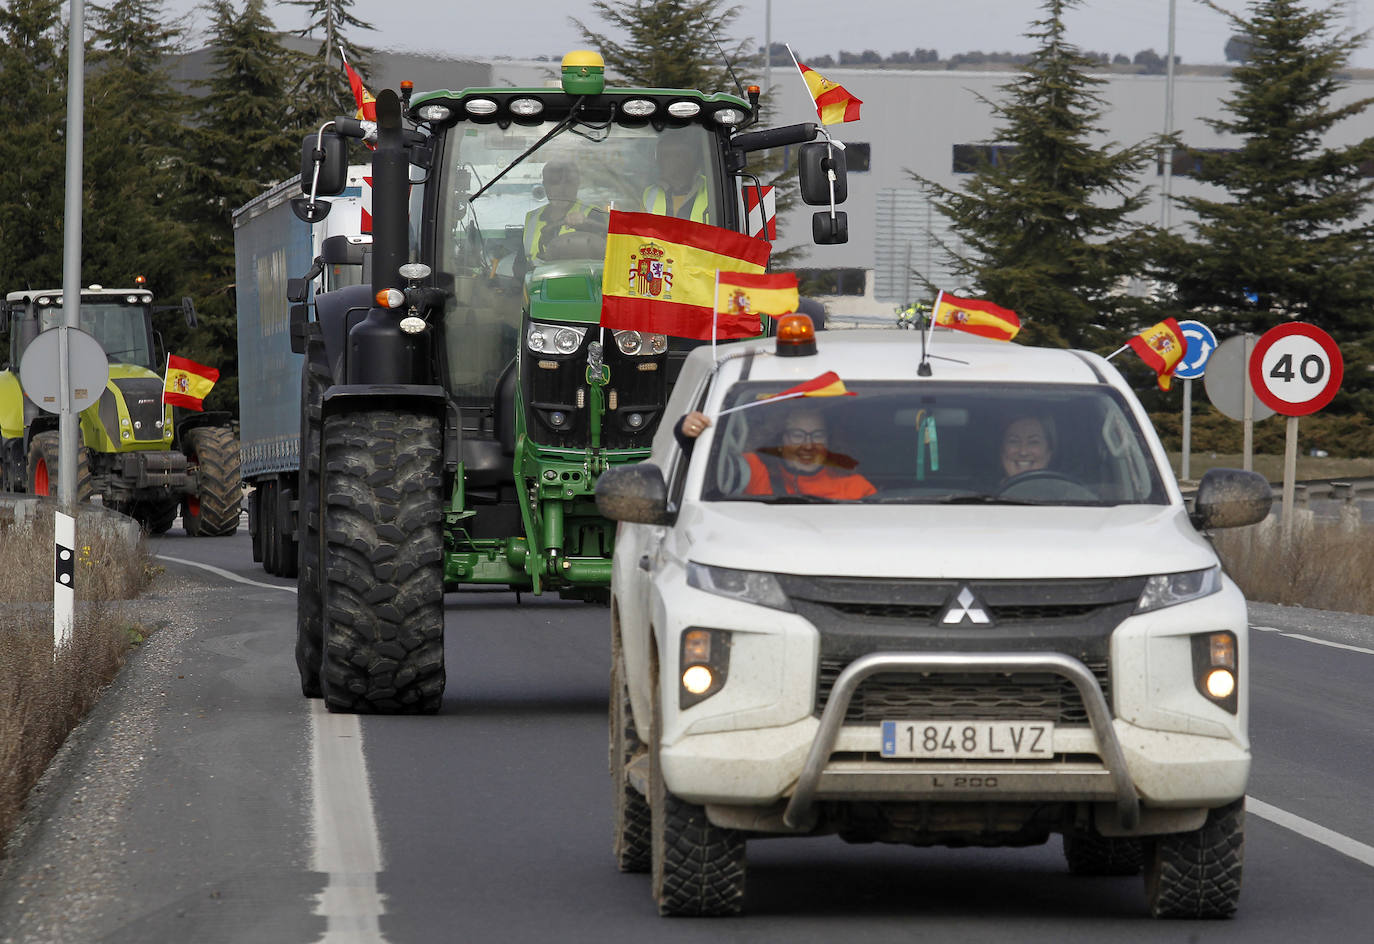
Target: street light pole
<point>1167,183</point>
<point>67,440</point>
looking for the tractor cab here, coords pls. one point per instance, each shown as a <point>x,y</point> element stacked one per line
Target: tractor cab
<point>120,319</point>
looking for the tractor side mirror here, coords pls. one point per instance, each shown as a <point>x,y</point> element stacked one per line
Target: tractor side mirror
<point>188,311</point>
<point>819,163</point>
<point>332,159</point>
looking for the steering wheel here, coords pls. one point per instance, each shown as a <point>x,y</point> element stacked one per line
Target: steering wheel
<point>578,244</point>
<point>1046,485</point>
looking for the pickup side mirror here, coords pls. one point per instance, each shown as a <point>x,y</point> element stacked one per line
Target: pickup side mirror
<point>634,493</point>
<point>1231,498</point>
<point>818,161</point>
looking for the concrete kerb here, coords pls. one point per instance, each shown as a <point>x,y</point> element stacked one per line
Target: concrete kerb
<point>21,511</point>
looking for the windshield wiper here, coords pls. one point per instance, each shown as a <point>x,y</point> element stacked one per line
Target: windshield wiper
<point>557,129</point>
<point>978,498</point>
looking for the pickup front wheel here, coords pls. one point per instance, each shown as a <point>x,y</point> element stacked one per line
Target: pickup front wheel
<point>698,867</point>
<point>1197,874</point>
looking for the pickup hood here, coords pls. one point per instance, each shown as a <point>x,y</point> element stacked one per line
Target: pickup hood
<point>959,541</point>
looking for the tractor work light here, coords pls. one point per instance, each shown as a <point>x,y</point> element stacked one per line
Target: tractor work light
<point>526,107</point>
<point>728,116</point>
<point>434,113</point>
<point>412,325</point>
<point>480,107</point>
<point>796,336</point>
<point>638,107</point>
<point>1215,668</point>
<point>684,109</point>
<point>414,271</point>
<point>705,662</point>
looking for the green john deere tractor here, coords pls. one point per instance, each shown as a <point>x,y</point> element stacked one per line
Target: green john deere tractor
<point>137,454</point>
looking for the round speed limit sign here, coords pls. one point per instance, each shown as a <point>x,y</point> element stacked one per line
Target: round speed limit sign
<point>1296,368</point>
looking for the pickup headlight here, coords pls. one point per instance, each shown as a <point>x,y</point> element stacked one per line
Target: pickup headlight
<point>1164,590</point>
<point>751,586</point>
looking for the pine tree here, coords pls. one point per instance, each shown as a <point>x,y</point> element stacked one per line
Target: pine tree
<point>671,43</point>
<point>135,166</point>
<point>33,112</point>
<point>1049,232</point>
<point>243,141</point>
<point>1291,231</point>
<point>321,90</point>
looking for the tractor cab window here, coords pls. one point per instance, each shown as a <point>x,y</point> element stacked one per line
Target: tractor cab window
<point>121,329</point>
<point>546,216</point>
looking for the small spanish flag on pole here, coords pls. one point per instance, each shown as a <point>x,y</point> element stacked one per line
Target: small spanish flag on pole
<point>827,384</point>
<point>1161,347</point>
<point>834,103</point>
<point>975,316</point>
<point>187,383</point>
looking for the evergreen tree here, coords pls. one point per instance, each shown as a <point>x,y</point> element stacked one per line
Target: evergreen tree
<point>1292,231</point>
<point>671,43</point>
<point>135,166</point>
<point>33,112</point>
<point>1048,232</point>
<point>322,89</point>
<point>243,141</point>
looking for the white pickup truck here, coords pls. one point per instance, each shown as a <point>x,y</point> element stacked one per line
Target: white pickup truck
<point>964,604</point>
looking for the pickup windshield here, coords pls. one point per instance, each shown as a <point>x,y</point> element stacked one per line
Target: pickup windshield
<point>548,209</point>
<point>924,443</point>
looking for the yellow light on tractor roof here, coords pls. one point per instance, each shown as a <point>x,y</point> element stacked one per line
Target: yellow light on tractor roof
<point>584,72</point>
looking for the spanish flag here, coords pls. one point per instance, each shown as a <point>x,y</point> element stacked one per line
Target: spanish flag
<point>660,276</point>
<point>827,384</point>
<point>745,294</point>
<point>187,383</point>
<point>976,317</point>
<point>834,103</point>
<point>367,104</point>
<point>1161,347</point>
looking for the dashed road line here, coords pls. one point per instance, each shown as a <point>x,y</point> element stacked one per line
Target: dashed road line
<point>1320,642</point>
<point>1310,830</point>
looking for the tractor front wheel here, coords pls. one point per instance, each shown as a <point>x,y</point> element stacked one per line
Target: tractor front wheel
<point>213,511</point>
<point>382,562</point>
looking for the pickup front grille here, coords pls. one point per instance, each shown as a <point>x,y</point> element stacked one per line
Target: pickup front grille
<point>982,696</point>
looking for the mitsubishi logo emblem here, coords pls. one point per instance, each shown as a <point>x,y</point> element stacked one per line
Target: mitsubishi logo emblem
<point>965,607</point>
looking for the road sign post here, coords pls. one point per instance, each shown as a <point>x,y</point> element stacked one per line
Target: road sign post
<point>1201,342</point>
<point>1296,370</point>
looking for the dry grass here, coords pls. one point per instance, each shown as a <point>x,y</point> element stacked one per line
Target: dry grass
<point>1324,566</point>
<point>42,696</point>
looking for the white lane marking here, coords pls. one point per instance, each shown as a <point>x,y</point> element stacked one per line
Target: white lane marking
<point>1320,642</point>
<point>1314,831</point>
<point>226,574</point>
<point>346,844</point>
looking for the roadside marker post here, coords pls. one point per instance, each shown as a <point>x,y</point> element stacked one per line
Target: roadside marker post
<point>64,580</point>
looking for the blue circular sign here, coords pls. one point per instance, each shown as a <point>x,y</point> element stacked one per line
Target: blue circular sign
<point>1201,343</point>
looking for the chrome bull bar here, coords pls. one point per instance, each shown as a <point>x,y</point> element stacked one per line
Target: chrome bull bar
<point>1099,716</point>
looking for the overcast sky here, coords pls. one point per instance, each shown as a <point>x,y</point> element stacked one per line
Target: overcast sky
<point>525,29</point>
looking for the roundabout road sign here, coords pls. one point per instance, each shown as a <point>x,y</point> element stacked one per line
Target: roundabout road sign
<point>1296,368</point>
<point>1201,343</point>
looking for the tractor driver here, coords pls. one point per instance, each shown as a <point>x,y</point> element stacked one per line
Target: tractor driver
<point>681,189</point>
<point>564,214</point>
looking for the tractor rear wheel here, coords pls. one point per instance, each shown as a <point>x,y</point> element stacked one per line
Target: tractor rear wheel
<point>213,511</point>
<point>42,475</point>
<point>383,562</point>
<point>309,621</point>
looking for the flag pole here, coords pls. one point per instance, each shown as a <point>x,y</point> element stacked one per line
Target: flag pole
<point>1116,352</point>
<point>805,84</point>
<point>930,325</point>
<point>715,315</point>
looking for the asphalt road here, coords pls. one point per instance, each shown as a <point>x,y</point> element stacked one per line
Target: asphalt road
<point>206,801</point>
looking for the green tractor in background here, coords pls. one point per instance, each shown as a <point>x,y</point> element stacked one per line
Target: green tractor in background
<point>140,456</point>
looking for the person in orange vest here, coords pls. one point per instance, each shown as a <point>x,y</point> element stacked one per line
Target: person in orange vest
<point>563,215</point>
<point>801,464</point>
<point>682,189</point>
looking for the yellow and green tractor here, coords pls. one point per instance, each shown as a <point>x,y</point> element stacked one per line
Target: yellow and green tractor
<point>139,455</point>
